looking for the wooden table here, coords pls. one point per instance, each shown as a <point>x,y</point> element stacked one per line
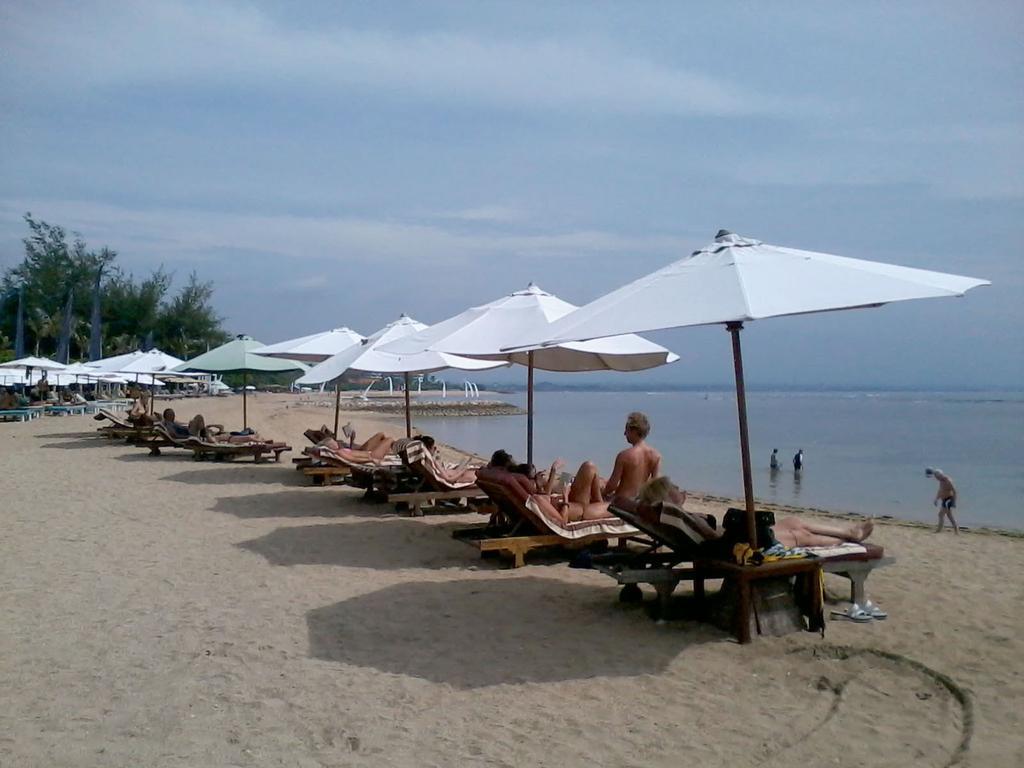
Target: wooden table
<point>743,575</point>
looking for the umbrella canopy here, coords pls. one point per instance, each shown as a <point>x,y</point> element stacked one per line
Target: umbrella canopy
<point>368,357</point>
<point>736,279</point>
<point>152,361</point>
<point>487,331</point>
<point>237,356</point>
<point>314,348</point>
<point>36,363</point>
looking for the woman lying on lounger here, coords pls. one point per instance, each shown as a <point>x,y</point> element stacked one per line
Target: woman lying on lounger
<point>789,531</point>
<point>580,501</point>
<point>371,451</point>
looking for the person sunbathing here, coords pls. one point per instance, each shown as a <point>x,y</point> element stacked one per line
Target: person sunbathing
<point>8,400</point>
<point>581,500</point>
<point>454,474</point>
<point>138,415</point>
<point>372,451</point>
<point>213,433</point>
<point>173,427</point>
<point>790,531</point>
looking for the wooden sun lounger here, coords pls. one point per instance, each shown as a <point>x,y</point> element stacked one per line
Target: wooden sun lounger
<point>524,521</point>
<point>218,451</point>
<point>663,570</point>
<point>324,474</point>
<point>376,479</point>
<point>424,486</point>
<point>156,437</point>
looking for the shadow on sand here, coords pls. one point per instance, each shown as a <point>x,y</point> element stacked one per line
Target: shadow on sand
<point>85,442</point>
<point>386,544</point>
<point>231,473</point>
<point>517,630</point>
<point>298,502</point>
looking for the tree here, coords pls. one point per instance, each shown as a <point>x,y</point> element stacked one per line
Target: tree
<point>188,325</point>
<point>52,266</point>
<point>130,310</point>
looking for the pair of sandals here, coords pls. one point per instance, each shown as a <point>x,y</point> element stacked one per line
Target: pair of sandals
<point>862,614</point>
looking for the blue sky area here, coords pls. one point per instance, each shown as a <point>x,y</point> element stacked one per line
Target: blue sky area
<point>341,163</point>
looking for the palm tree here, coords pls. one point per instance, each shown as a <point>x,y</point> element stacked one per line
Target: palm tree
<point>43,326</point>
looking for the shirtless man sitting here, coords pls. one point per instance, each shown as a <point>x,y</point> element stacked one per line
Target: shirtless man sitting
<point>588,496</point>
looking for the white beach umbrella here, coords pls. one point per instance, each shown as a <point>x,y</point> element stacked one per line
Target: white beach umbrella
<point>34,363</point>
<point>735,280</point>
<point>486,331</point>
<point>133,366</point>
<point>368,357</point>
<point>29,364</point>
<point>314,348</point>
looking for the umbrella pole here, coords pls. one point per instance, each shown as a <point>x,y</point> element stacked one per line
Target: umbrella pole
<point>245,401</point>
<point>337,407</point>
<point>741,409</point>
<point>408,412</point>
<point>529,408</point>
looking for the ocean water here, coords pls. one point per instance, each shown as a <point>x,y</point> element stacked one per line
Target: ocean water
<point>863,452</point>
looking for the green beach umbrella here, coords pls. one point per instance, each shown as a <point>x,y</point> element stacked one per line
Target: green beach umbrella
<point>237,357</point>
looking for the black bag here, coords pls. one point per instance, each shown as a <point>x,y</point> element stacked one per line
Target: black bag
<point>734,527</point>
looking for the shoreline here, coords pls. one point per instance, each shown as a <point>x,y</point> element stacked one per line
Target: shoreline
<point>841,515</point>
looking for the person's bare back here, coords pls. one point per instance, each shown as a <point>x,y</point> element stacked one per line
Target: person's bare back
<point>635,465</point>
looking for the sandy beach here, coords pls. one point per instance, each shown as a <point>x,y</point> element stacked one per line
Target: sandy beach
<point>162,612</point>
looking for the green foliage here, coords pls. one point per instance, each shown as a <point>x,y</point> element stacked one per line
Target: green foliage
<point>187,325</point>
<point>183,324</point>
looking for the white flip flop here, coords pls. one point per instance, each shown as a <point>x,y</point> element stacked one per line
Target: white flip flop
<point>853,613</point>
<point>874,611</point>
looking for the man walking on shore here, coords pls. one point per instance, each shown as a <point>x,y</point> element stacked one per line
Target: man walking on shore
<point>945,498</point>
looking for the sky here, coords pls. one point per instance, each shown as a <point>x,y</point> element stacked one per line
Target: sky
<point>337,164</point>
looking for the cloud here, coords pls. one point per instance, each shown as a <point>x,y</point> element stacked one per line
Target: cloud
<point>483,214</point>
<point>157,43</point>
<point>175,235</point>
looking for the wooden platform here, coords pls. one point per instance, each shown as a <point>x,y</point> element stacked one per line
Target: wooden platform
<point>420,499</point>
<point>325,475</point>
<point>516,547</point>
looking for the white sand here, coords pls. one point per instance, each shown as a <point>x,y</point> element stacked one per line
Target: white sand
<point>161,612</point>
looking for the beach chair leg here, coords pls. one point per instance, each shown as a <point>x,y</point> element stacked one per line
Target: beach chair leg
<point>664,590</point>
<point>518,558</point>
<point>741,619</point>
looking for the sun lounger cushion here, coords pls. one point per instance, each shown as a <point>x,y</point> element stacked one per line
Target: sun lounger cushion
<point>344,457</point>
<point>848,551</point>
